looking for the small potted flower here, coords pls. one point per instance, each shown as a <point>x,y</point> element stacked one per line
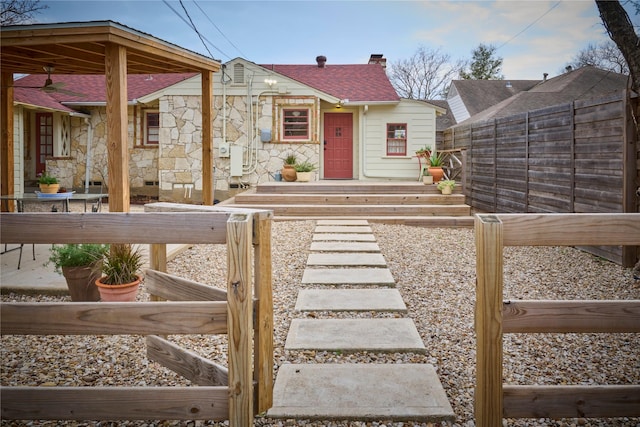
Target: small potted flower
<point>304,170</point>
<point>48,184</point>
<point>446,186</point>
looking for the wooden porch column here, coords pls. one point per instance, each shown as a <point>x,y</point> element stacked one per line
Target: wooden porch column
<point>208,186</point>
<point>115,63</point>
<point>6,124</point>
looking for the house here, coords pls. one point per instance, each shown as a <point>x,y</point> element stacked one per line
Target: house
<point>62,129</point>
<point>469,97</point>
<point>583,83</point>
<point>116,52</point>
<point>345,119</point>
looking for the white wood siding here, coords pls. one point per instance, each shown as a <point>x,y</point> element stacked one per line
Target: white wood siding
<point>421,130</point>
<point>18,150</point>
<point>458,108</point>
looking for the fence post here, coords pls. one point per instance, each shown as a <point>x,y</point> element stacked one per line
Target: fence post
<point>240,319</point>
<point>263,330</point>
<point>488,320</point>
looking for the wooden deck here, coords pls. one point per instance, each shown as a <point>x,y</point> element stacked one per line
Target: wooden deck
<point>400,202</point>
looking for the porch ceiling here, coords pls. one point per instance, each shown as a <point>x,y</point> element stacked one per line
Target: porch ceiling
<point>79,48</point>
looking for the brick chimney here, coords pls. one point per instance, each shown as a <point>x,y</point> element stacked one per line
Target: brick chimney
<point>378,58</point>
<point>321,60</point>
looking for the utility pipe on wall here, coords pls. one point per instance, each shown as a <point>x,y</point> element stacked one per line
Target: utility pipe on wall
<point>87,170</point>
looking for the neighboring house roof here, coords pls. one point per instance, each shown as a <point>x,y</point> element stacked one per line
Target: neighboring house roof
<point>445,120</point>
<point>92,87</point>
<point>583,83</point>
<point>356,82</point>
<point>469,97</point>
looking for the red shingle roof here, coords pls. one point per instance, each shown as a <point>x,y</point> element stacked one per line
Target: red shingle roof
<point>93,87</point>
<point>358,82</point>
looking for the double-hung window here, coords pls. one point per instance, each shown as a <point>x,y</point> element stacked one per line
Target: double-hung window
<point>295,124</point>
<point>151,128</point>
<point>396,139</point>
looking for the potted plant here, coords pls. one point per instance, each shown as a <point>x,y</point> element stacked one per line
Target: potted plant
<point>120,273</point>
<point>288,169</point>
<point>426,176</point>
<point>435,166</point>
<point>424,152</point>
<point>446,186</point>
<point>48,184</point>
<point>303,171</point>
<point>80,265</point>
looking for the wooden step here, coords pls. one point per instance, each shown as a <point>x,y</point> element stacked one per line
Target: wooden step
<point>250,197</point>
<point>341,187</point>
<point>359,210</point>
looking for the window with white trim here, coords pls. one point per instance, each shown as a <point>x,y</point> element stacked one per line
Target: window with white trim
<point>151,127</point>
<point>396,139</point>
<point>295,124</point>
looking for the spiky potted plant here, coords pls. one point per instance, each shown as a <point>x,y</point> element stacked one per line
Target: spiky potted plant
<point>121,273</point>
<point>446,186</point>
<point>304,170</point>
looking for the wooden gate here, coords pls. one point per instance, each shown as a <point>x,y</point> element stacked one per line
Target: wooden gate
<point>493,401</point>
<point>244,312</point>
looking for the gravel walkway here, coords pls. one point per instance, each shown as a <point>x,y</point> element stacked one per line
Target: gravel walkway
<point>435,272</point>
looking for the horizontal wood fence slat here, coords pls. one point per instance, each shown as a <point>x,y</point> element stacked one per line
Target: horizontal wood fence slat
<point>571,316</point>
<point>115,403</point>
<point>188,227</point>
<point>174,288</point>
<point>595,401</point>
<point>105,318</point>
<point>190,365</point>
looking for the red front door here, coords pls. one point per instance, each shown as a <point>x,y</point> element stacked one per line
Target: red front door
<point>338,146</point>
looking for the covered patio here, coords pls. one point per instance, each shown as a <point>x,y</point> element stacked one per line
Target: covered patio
<point>111,49</point>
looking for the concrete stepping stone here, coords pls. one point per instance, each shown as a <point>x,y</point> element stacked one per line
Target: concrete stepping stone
<point>398,392</point>
<point>353,335</point>
<point>346,259</point>
<point>343,229</point>
<point>350,300</point>
<point>344,237</point>
<point>342,222</point>
<point>347,276</point>
<point>344,247</point>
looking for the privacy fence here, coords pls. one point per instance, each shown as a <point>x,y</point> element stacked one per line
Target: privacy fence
<point>580,157</point>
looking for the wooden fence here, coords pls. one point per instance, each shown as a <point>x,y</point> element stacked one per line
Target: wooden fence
<point>493,317</point>
<point>235,393</point>
<point>579,157</point>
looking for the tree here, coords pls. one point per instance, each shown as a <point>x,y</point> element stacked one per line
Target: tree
<point>621,31</point>
<point>425,75</point>
<point>484,65</point>
<point>15,12</point>
<point>605,55</point>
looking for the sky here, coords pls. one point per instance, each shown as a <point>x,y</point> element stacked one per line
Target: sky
<point>532,37</point>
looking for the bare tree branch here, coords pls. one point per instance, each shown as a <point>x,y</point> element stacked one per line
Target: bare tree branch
<point>15,12</point>
<point>425,75</point>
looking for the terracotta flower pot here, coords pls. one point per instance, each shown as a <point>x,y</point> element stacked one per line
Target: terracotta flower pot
<point>49,188</point>
<point>118,293</point>
<point>81,282</point>
<point>289,173</point>
<point>437,173</point>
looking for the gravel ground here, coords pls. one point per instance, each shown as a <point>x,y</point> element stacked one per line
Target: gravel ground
<point>435,272</point>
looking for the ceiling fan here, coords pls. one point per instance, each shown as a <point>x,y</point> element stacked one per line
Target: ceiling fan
<point>51,87</point>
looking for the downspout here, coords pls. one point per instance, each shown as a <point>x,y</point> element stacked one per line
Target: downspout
<point>87,170</point>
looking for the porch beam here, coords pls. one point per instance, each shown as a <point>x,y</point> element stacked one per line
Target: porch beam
<point>115,63</point>
<point>208,176</point>
<point>6,124</point>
